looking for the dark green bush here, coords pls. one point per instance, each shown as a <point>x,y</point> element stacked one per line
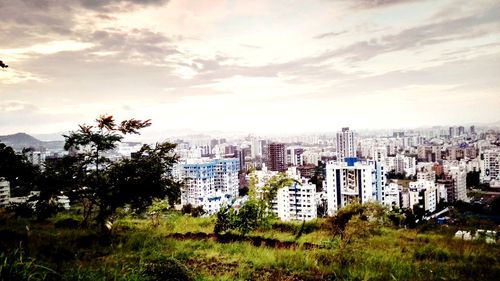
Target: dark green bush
<point>166,268</point>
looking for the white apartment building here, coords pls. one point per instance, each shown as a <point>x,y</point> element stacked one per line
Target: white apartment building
<point>402,164</point>
<point>427,176</point>
<point>311,157</point>
<point>459,175</point>
<point>294,156</point>
<point>4,192</point>
<point>295,202</point>
<point>425,194</point>
<point>490,164</point>
<point>208,182</point>
<point>392,193</point>
<point>346,144</point>
<point>353,180</point>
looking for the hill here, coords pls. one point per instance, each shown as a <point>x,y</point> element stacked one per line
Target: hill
<point>22,140</point>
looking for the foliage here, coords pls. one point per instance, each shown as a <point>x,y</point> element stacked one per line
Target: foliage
<point>110,185</point>
<point>193,211</point>
<point>139,252</point>
<point>270,189</point>
<point>155,210</point>
<point>248,217</point>
<point>226,219</point>
<point>17,170</point>
<point>256,211</point>
<point>139,180</point>
<point>372,213</point>
<point>166,268</point>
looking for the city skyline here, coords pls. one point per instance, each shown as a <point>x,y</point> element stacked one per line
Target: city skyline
<point>249,66</point>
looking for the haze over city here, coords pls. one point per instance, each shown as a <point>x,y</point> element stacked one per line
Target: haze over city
<point>249,66</point>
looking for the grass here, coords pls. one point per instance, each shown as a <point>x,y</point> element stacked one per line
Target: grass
<point>136,251</point>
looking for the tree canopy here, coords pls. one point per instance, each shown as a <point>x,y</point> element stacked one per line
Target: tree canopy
<point>108,185</point>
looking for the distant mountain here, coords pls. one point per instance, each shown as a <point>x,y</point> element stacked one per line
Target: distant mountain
<point>22,140</point>
<point>50,137</point>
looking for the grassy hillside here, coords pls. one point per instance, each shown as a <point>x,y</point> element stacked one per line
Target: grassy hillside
<point>184,248</point>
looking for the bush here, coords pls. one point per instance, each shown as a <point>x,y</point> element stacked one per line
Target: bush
<point>166,268</point>
<point>193,211</point>
<point>373,213</point>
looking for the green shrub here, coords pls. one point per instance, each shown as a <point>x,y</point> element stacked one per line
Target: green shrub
<point>166,268</point>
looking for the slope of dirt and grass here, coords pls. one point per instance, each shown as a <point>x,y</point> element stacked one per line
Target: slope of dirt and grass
<point>185,248</point>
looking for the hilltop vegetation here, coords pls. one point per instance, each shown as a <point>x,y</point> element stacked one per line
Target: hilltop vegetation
<point>182,247</point>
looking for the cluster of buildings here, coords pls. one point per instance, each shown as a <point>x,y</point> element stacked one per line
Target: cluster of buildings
<point>407,169</point>
<point>403,169</point>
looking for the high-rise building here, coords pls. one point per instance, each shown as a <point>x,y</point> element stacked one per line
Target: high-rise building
<point>490,164</point>
<point>461,130</point>
<point>448,184</point>
<point>209,182</point>
<point>4,192</point>
<point>472,130</point>
<point>459,176</point>
<point>294,156</point>
<point>240,155</point>
<point>346,144</point>
<point>353,181</point>
<point>452,132</point>
<point>276,157</point>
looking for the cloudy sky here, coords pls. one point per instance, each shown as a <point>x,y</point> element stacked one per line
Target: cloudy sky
<point>258,66</point>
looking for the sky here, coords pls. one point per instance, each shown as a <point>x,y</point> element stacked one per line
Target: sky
<point>260,66</point>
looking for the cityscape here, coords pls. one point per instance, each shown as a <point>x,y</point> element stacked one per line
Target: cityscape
<point>249,140</point>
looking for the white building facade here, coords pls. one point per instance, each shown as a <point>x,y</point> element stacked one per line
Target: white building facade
<point>354,181</point>
<point>208,182</point>
<point>490,165</point>
<point>294,202</point>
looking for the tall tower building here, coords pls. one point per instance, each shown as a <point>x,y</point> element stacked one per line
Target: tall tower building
<point>277,157</point>
<point>346,144</point>
<point>354,181</point>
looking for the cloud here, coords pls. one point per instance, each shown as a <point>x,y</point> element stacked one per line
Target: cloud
<point>329,34</point>
<point>372,4</point>
<point>136,46</point>
<point>13,106</point>
<point>250,46</point>
<point>463,28</point>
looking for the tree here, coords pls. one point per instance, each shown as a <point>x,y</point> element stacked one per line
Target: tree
<point>270,189</point>
<point>256,211</point>
<point>139,180</point>
<point>16,168</point>
<point>109,185</point>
